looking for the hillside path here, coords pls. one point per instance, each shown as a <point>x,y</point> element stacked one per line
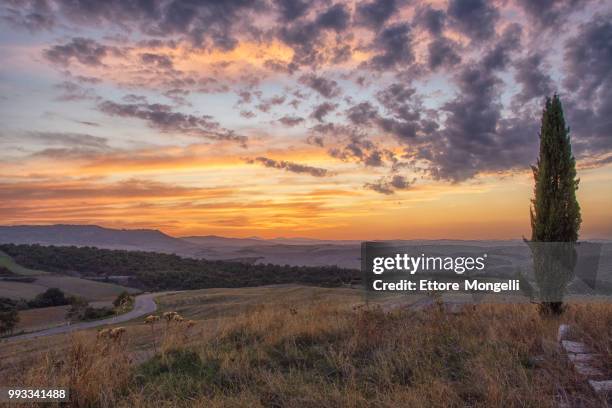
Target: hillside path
<point>143,304</point>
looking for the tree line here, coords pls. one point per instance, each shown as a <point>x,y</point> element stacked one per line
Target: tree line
<point>156,271</point>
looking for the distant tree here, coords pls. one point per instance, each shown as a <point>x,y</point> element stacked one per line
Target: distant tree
<point>9,317</point>
<point>124,301</point>
<point>51,297</point>
<point>77,308</point>
<point>555,213</point>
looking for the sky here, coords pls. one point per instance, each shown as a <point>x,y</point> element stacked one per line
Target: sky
<point>380,119</point>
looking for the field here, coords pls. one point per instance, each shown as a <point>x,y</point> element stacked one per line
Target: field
<point>17,290</point>
<point>90,290</point>
<point>87,289</point>
<point>38,319</point>
<point>293,346</point>
<point>8,263</point>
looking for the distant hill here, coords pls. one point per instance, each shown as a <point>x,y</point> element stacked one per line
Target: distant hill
<point>93,235</point>
<point>281,251</point>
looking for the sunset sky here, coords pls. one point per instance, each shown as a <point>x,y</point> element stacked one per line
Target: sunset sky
<point>347,120</point>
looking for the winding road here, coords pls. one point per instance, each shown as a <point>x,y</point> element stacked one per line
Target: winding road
<point>143,304</point>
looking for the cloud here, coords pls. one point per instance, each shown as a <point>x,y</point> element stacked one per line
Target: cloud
<point>291,120</point>
<point>165,119</point>
<point>290,166</point>
<point>393,47</point>
<point>442,53</point>
<point>34,15</point>
<point>361,150</point>
<point>549,14</point>
<point>68,139</point>
<point>475,18</point>
<point>290,10</point>
<point>71,91</point>
<point>588,79</point>
<point>157,60</point>
<point>266,104</point>
<point>86,189</point>
<point>433,20</point>
<point>334,18</point>
<point>535,83</point>
<point>84,50</point>
<point>323,110</point>
<point>327,88</point>
<point>376,13</point>
<point>389,185</point>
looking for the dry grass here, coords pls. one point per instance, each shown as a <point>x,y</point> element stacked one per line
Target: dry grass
<point>308,347</point>
<point>38,319</point>
<point>326,355</point>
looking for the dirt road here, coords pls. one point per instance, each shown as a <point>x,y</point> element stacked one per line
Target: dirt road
<point>143,304</point>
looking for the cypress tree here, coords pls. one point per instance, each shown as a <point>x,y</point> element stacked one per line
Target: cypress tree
<point>555,212</point>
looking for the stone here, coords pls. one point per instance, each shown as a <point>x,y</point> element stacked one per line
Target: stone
<point>583,357</point>
<point>587,370</point>
<point>574,347</point>
<point>563,332</point>
<point>601,387</point>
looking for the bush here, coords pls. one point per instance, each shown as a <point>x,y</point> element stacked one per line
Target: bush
<point>124,301</point>
<point>8,315</point>
<point>51,297</point>
<point>93,313</point>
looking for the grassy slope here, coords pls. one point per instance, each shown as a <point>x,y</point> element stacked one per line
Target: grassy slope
<point>8,262</point>
<point>293,346</point>
<point>90,290</point>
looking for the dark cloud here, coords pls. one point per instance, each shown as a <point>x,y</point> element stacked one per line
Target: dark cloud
<point>499,56</point>
<point>334,18</point>
<point>305,37</point>
<point>165,119</point>
<point>475,18</point>
<point>549,14</point>
<point>178,96</point>
<point>290,166</point>
<point>442,53</point>
<point>375,13</point>
<point>328,88</point>
<point>431,19</point>
<point>362,114</point>
<point>475,137</point>
<point>34,15</point>
<point>588,78</point>
<point>290,10</point>
<point>389,185</point>
<point>393,47</point>
<point>534,81</point>
<point>291,120</point>
<point>361,150</point>
<point>403,110</point>
<point>205,23</point>
<point>84,50</point>
<point>266,104</point>
<point>323,110</point>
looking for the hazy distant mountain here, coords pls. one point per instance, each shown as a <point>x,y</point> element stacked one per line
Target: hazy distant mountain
<point>93,235</point>
<point>292,251</point>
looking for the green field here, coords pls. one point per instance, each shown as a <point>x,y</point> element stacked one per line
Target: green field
<point>8,263</point>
